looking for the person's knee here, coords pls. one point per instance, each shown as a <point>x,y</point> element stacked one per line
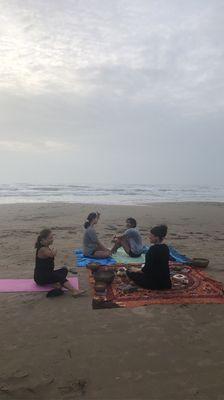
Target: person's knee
<point>105,253</point>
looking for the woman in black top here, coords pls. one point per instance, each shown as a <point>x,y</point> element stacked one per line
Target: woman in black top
<point>155,274</point>
<point>44,272</point>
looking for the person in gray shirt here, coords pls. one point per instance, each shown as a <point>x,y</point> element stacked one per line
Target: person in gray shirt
<point>131,240</point>
<point>92,247</point>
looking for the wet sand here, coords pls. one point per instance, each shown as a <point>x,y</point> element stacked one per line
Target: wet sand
<point>62,349</point>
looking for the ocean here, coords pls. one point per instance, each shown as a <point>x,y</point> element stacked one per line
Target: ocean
<point>133,194</point>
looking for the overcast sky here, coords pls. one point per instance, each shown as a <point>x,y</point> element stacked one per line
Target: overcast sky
<point>112,91</point>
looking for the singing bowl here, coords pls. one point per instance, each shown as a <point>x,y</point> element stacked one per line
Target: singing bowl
<point>199,262</point>
<point>104,276</point>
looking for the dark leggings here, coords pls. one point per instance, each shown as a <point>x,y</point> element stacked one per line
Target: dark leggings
<point>131,254</point>
<point>138,278</point>
<point>56,276</point>
<point>141,280</point>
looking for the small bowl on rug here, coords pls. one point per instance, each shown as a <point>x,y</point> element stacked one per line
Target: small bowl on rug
<point>180,278</point>
<point>178,268</point>
<point>199,262</point>
<point>121,273</point>
<point>104,276</point>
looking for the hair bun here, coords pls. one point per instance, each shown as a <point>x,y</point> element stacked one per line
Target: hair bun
<point>159,231</point>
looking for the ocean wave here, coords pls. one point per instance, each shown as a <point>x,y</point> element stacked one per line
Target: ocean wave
<point>108,194</point>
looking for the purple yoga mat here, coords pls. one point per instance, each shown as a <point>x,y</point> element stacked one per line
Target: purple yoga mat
<point>28,285</point>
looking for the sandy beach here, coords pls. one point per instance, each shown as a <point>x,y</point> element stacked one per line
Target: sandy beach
<point>62,349</point>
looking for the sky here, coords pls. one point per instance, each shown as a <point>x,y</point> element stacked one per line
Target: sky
<point>112,91</point>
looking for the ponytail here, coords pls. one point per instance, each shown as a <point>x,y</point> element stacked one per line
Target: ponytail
<point>42,235</point>
<point>89,219</point>
<point>86,224</point>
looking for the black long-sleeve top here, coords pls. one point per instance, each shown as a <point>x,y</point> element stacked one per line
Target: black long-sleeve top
<point>156,269</point>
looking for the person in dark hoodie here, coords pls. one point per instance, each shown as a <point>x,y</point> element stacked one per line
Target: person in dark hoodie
<point>155,274</point>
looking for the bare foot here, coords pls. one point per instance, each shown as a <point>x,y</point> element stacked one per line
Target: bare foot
<point>78,293</point>
<point>113,251</point>
<point>57,285</point>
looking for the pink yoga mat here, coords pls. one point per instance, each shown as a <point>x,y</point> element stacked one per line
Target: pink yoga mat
<point>28,285</point>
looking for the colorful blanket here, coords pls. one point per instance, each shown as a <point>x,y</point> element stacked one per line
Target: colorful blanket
<point>200,289</point>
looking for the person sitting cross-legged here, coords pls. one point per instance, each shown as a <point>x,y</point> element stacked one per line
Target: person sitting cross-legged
<point>92,246</point>
<point>130,240</point>
<point>44,272</point>
<point>155,274</point>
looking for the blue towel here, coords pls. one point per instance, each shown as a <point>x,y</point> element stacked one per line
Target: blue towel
<point>83,261</point>
<point>145,249</point>
<point>176,256</point>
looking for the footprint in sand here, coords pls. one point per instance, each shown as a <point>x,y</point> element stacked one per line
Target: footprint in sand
<point>107,235</point>
<point>78,386</point>
<point>20,386</point>
<point>143,312</point>
<point>72,232</point>
<point>111,227</point>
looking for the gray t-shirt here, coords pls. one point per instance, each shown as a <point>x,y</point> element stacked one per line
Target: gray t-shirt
<point>134,239</point>
<point>90,241</point>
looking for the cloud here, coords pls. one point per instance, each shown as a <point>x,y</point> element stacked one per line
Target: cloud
<point>148,51</point>
<point>113,80</point>
<point>47,146</point>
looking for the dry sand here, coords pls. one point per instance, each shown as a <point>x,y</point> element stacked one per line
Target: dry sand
<point>62,349</point>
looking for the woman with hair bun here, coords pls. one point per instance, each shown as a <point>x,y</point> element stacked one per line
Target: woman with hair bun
<point>155,274</point>
<point>92,247</point>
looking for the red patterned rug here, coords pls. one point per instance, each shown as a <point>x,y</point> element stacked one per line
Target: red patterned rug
<point>199,289</point>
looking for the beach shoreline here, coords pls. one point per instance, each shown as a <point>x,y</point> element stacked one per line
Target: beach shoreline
<point>195,229</point>
<point>62,349</point>
<point>108,193</point>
